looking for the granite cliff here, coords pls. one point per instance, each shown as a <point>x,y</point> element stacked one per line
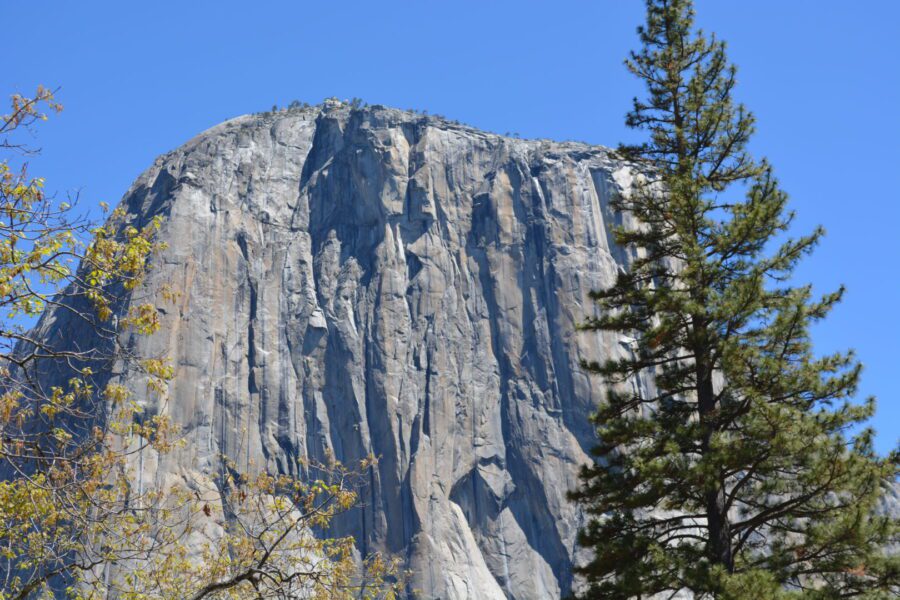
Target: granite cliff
<point>368,280</point>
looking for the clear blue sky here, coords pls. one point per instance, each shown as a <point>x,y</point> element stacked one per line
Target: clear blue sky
<point>822,76</point>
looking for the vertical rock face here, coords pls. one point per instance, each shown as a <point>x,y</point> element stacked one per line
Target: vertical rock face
<point>370,281</point>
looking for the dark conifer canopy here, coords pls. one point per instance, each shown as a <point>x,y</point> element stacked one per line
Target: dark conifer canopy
<point>744,470</point>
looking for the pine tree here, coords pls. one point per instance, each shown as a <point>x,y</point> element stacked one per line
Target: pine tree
<point>745,470</point>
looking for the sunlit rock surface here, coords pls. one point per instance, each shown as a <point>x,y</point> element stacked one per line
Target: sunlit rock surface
<point>372,281</point>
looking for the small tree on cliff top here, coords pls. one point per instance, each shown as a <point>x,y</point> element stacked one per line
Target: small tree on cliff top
<point>744,472</point>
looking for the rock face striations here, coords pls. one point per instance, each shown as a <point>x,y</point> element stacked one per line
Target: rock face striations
<point>372,281</point>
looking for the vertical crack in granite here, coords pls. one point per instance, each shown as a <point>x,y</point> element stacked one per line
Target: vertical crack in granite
<point>371,281</point>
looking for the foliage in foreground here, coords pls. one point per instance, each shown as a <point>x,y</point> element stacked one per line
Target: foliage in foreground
<point>731,461</point>
<point>251,537</point>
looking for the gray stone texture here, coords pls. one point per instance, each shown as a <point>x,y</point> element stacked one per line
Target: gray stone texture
<point>372,281</point>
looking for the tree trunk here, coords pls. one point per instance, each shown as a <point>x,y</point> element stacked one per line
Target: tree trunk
<point>719,540</point>
<point>719,544</point>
